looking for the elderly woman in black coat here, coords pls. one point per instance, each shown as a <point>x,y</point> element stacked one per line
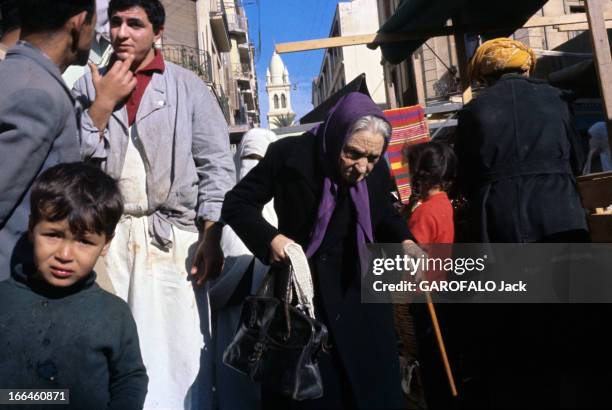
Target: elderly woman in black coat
<point>331,191</point>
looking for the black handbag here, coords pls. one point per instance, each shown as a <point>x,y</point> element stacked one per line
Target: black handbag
<point>279,340</point>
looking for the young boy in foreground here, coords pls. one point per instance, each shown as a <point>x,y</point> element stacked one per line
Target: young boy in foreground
<point>58,328</point>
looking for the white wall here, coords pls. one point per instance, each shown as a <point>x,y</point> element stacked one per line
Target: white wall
<point>555,38</point>
<point>361,17</point>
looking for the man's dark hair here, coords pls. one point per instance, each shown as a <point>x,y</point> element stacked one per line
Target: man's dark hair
<point>153,8</point>
<point>431,164</point>
<point>10,16</point>
<point>81,193</point>
<point>40,16</point>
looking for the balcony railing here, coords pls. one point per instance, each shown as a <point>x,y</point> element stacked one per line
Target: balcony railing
<point>223,100</point>
<point>249,99</point>
<point>220,27</point>
<point>237,23</point>
<point>242,71</point>
<point>192,59</point>
<point>219,6</point>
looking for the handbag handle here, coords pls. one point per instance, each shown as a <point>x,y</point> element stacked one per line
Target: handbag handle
<point>301,278</point>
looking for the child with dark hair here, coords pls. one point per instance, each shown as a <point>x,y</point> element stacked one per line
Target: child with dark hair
<point>58,328</point>
<point>432,173</point>
<point>432,169</point>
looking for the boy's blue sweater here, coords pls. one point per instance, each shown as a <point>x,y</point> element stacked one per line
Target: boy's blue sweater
<point>80,338</point>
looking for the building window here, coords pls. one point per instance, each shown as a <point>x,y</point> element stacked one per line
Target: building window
<point>275,102</point>
<point>283,101</point>
<point>578,8</point>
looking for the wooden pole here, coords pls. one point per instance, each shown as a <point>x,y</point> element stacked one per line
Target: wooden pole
<point>438,332</point>
<point>462,60</point>
<point>360,39</point>
<point>373,40</point>
<point>603,59</point>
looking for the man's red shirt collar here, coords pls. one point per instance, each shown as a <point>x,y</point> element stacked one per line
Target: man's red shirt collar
<point>143,78</point>
<point>157,64</point>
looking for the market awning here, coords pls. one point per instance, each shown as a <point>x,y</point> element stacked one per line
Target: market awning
<point>486,17</point>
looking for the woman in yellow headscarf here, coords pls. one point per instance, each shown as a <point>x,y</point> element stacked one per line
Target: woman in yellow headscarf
<point>518,154</point>
<point>501,56</point>
<point>518,151</point>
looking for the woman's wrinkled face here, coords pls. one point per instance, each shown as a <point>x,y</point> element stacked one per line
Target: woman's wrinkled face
<point>359,155</point>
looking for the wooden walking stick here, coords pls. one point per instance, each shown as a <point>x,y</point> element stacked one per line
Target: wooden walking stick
<point>436,326</point>
<point>410,250</point>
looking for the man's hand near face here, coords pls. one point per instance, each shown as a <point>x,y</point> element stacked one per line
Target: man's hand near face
<point>111,89</point>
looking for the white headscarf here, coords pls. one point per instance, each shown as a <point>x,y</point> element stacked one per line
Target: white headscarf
<point>237,256</point>
<point>255,141</point>
<point>598,145</point>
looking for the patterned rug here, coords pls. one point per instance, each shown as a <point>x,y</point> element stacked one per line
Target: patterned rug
<point>409,127</point>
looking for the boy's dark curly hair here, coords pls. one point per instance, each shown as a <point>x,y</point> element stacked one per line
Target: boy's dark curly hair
<point>430,164</point>
<point>83,194</point>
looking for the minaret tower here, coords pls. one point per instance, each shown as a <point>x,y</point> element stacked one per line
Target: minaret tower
<point>278,88</point>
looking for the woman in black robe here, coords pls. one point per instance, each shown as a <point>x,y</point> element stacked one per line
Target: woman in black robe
<point>331,192</point>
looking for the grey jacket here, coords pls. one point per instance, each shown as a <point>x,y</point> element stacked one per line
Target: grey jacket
<point>38,129</point>
<point>184,139</point>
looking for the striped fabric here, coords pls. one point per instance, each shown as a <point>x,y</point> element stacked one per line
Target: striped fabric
<point>409,127</point>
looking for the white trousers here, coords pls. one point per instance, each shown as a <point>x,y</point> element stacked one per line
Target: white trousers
<point>163,301</point>
<point>156,286</point>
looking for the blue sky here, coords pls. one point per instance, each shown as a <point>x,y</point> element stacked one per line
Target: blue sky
<point>283,21</point>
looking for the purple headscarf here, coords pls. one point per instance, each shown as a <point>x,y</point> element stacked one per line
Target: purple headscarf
<point>331,136</point>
